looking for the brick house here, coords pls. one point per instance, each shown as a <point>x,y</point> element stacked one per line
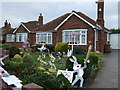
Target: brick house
<point>88,31</point>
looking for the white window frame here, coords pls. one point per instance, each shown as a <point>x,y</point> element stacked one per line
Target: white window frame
<point>73,30</point>
<point>46,42</point>
<point>23,39</point>
<point>10,37</point>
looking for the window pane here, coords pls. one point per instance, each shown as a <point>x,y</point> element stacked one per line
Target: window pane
<point>70,37</point>
<point>83,39</point>
<point>10,38</point>
<point>21,37</point>
<point>49,38</point>
<point>44,38</point>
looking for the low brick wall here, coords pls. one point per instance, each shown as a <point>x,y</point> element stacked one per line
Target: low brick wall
<point>32,86</point>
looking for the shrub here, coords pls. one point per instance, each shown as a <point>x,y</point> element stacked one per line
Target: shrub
<point>96,58</point>
<point>13,51</point>
<point>61,47</point>
<point>43,79</point>
<point>3,41</point>
<point>50,47</point>
<point>17,57</point>
<point>28,59</point>
<point>78,50</point>
<point>5,45</point>
<point>64,82</point>
<point>14,67</point>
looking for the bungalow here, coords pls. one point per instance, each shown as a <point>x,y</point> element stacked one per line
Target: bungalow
<point>74,28</point>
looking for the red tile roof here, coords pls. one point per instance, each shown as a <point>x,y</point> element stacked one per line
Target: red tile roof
<point>54,23</point>
<point>34,26</point>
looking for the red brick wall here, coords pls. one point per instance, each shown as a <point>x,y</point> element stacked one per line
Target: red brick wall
<point>102,39</point>
<point>54,38</point>
<point>32,38</point>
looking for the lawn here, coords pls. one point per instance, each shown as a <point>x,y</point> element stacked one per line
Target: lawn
<point>59,64</point>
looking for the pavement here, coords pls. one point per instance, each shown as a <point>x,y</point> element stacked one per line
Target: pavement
<point>107,76</point>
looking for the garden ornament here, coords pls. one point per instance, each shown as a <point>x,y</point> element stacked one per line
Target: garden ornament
<point>41,61</point>
<point>43,55</point>
<point>52,57</point>
<point>42,47</point>
<point>59,58</point>
<point>52,64</point>
<point>80,70</point>
<point>69,53</point>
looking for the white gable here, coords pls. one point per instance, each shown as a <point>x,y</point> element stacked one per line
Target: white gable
<point>23,26</point>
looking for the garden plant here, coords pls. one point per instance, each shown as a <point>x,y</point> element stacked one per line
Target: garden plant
<point>39,71</point>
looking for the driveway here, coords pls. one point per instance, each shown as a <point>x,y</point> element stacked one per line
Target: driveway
<point>107,77</point>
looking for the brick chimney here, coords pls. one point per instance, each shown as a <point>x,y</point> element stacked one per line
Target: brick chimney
<point>40,20</point>
<point>9,25</point>
<point>5,24</point>
<point>100,12</point>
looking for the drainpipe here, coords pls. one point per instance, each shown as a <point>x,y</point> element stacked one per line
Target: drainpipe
<point>95,40</point>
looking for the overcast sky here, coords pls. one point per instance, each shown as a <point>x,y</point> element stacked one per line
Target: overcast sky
<point>16,12</point>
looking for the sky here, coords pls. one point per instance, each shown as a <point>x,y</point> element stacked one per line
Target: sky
<point>24,10</point>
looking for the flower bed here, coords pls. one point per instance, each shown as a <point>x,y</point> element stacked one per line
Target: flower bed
<point>28,68</point>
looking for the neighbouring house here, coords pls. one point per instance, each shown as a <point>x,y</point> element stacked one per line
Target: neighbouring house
<point>86,30</point>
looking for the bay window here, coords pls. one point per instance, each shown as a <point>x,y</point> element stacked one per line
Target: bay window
<point>10,38</point>
<point>21,37</point>
<point>75,36</point>
<point>43,38</point>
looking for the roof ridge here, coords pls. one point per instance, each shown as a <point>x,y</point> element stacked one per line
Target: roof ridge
<point>57,18</point>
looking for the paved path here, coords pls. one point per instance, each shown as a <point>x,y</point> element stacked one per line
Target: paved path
<point>107,77</point>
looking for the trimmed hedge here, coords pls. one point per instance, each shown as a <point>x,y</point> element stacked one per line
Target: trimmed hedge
<point>78,50</point>
<point>61,47</point>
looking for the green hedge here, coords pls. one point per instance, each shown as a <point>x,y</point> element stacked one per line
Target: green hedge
<point>61,47</point>
<point>78,50</point>
<point>51,47</point>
